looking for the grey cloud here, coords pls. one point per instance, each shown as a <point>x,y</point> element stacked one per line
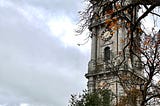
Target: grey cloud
<point>67,7</point>
<point>35,67</point>
<point>58,5</point>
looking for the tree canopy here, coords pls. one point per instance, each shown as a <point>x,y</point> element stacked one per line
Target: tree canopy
<point>142,43</point>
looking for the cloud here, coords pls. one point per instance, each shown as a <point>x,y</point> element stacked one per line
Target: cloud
<point>36,67</point>
<point>58,6</point>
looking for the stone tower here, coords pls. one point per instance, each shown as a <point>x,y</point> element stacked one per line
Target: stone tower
<point>105,48</point>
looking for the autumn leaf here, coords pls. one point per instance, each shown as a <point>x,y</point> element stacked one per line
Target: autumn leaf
<point>128,24</point>
<point>122,40</point>
<point>111,25</point>
<point>109,12</point>
<point>146,43</point>
<point>139,29</point>
<point>115,28</point>
<point>108,21</point>
<point>112,33</point>
<point>115,19</point>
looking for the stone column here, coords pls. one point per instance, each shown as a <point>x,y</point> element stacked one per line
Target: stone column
<point>92,62</point>
<point>94,45</point>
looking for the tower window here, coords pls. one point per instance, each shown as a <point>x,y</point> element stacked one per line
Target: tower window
<point>107,53</point>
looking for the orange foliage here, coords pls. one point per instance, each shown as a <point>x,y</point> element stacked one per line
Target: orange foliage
<point>109,12</point>
<point>112,33</point>
<point>139,30</point>
<point>108,21</point>
<point>129,98</point>
<point>113,23</point>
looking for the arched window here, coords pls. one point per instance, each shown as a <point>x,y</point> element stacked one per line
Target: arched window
<point>106,53</point>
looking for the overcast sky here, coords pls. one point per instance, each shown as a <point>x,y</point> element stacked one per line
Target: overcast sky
<point>40,62</point>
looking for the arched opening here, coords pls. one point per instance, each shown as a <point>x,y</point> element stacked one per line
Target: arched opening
<point>106,54</point>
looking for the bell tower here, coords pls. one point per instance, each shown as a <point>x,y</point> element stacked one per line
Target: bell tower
<point>106,50</point>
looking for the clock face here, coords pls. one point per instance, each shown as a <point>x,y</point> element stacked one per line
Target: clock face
<point>106,36</point>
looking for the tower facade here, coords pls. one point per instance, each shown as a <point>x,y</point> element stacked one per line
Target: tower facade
<point>106,51</point>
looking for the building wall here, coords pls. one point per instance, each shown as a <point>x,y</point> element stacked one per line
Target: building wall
<point>100,75</point>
